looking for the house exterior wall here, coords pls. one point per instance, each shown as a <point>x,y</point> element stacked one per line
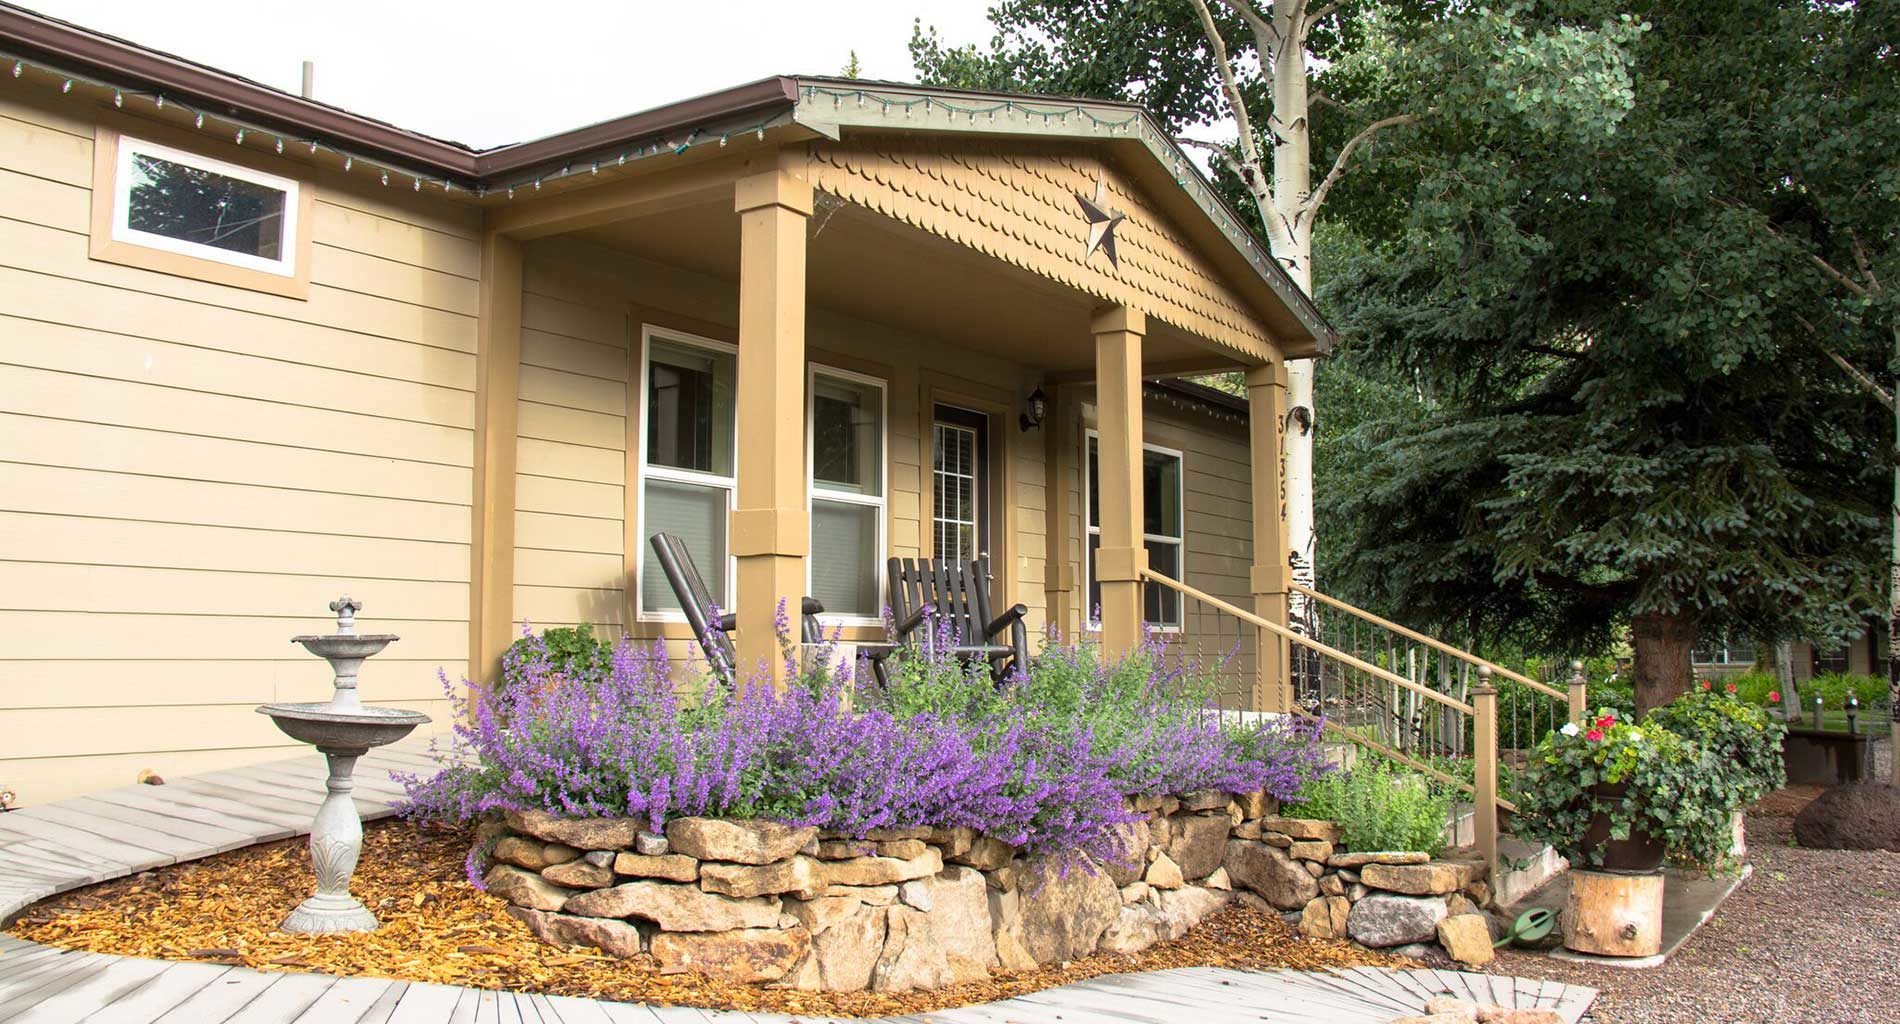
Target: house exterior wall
<point>577,462</point>
<point>190,472</point>
<point>1217,520</point>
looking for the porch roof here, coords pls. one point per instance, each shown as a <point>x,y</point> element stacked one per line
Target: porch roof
<point>787,106</point>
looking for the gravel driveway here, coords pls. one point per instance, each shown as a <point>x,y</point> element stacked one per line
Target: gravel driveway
<point>1813,937</point>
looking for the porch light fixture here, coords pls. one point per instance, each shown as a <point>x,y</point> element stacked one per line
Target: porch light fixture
<point>1037,407</point>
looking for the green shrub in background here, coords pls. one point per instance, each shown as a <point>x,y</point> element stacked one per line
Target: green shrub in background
<point>1754,685</point>
<point>1835,686</point>
<point>571,652</point>
<point>1378,806</point>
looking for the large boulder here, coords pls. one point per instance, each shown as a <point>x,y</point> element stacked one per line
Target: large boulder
<point>1197,842</point>
<point>1467,938</point>
<point>673,867</point>
<point>1273,875</point>
<point>525,888</point>
<point>1006,929</point>
<point>1135,929</point>
<point>916,956</point>
<point>1067,903</point>
<point>1182,909</point>
<point>677,908</point>
<point>847,937</point>
<point>956,901</point>
<point>1325,918</point>
<point>1128,843</point>
<point>1431,879</point>
<point>869,871</point>
<point>1863,816</point>
<point>1384,919</point>
<point>580,833</point>
<point>614,938</point>
<point>740,842</point>
<point>800,875</point>
<point>742,956</point>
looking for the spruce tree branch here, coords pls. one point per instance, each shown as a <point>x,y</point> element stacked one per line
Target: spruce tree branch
<point>1345,154</point>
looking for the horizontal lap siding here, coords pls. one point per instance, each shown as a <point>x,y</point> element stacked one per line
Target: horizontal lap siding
<point>570,451</point>
<point>1217,534</point>
<point>189,472</point>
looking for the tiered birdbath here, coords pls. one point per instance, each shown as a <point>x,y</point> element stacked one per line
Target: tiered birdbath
<point>343,729</point>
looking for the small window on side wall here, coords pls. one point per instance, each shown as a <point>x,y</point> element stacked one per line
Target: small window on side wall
<point>177,212</point>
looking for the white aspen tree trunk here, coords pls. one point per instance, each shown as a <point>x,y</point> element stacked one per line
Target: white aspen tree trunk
<point>1292,245</point>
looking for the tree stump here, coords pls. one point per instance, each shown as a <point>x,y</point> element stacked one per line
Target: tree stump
<point>1614,915</point>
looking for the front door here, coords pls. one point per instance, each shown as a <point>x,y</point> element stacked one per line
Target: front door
<point>960,484</point>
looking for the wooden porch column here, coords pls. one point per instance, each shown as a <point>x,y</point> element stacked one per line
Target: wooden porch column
<point>1122,556</point>
<point>771,530</point>
<point>1271,572</point>
<point>497,391</point>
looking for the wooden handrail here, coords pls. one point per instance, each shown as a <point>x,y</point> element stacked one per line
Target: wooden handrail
<point>1304,640</point>
<point>1438,645</point>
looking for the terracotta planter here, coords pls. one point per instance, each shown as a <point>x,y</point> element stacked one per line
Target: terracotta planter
<point>1640,854</point>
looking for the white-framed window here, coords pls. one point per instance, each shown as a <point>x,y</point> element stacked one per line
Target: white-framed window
<point>179,202</point>
<point>844,445</point>
<point>1723,651</point>
<point>688,429</point>
<point>1162,506</point>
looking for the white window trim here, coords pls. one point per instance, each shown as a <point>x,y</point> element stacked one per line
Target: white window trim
<point>648,471</point>
<point>880,500</point>
<point>1091,530</point>
<point>122,231</point>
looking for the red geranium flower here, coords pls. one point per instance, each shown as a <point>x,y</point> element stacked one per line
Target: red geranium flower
<point>1731,687</point>
<point>1774,696</point>
<point>1593,735</point>
<point>1606,721</point>
<point>1706,685</point>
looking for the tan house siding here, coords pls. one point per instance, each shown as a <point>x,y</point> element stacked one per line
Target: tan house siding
<point>190,471</point>
<point>581,330</point>
<point>1217,513</point>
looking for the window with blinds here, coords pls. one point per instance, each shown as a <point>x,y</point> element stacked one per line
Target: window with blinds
<point>847,493</point>
<point>686,460</point>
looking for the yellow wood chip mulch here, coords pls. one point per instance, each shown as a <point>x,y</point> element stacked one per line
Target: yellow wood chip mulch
<point>436,927</point>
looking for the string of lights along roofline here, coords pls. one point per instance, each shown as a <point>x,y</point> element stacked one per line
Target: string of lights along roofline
<point>241,130</point>
<point>1185,175</point>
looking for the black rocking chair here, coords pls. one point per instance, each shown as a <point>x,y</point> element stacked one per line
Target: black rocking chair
<point>932,595</point>
<point>696,602</point>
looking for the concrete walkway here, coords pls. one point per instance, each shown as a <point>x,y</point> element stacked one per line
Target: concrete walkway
<point>65,845</point>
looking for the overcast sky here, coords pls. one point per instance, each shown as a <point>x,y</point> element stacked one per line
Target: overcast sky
<point>488,73</point>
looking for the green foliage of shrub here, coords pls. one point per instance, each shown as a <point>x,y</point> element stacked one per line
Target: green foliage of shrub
<point>1835,686</point>
<point>1740,744</point>
<point>565,652</point>
<point>1378,806</point>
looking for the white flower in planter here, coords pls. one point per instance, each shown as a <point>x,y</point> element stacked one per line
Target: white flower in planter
<point>1569,729</point>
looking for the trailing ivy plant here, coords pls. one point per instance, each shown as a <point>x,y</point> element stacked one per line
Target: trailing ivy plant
<point>1671,791</point>
<point>1741,744</point>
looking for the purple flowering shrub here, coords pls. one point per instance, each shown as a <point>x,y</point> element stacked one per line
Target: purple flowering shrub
<point>1043,762</point>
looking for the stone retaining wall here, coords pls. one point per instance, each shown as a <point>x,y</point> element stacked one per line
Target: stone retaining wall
<point>903,909</point>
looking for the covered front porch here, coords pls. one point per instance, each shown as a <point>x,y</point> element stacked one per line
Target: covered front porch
<point>804,352</point>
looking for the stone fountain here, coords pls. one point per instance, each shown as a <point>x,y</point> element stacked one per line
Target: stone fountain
<point>343,729</point>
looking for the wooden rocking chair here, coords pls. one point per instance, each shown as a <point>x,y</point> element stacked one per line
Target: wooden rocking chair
<point>696,602</point>
<point>929,595</point>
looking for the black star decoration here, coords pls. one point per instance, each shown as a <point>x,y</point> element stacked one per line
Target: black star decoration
<point>1102,221</point>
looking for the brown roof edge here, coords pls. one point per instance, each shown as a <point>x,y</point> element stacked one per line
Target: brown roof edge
<point>84,50</point>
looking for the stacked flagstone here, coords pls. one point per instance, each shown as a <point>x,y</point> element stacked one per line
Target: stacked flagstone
<point>902,909</point>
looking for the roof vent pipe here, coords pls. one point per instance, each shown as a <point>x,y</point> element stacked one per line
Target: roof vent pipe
<point>309,78</point>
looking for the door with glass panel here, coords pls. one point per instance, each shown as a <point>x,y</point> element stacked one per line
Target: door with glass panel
<point>960,484</point>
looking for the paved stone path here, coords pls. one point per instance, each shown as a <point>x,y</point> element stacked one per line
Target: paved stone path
<point>53,848</point>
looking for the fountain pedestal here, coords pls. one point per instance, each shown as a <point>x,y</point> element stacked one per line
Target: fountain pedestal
<point>343,729</point>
